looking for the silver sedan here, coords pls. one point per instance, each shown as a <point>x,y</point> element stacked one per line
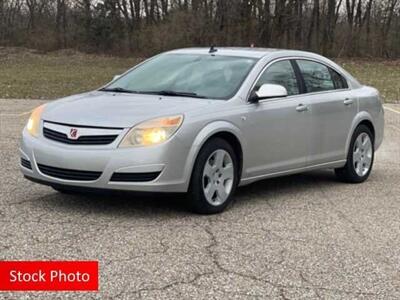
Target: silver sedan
<point>204,121</point>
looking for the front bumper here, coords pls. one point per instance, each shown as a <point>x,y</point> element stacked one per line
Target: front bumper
<point>170,159</point>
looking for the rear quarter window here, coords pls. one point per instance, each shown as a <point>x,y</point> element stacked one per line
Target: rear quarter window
<point>338,80</point>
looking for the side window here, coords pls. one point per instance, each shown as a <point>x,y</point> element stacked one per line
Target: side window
<point>338,80</point>
<point>281,73</point>
<point>317,77</point>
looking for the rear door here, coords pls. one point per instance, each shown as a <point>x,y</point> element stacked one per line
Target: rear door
<point>332,109</point>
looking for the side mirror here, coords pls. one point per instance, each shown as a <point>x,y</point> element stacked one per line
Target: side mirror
<point>267,91</point>
<point>116,77</point>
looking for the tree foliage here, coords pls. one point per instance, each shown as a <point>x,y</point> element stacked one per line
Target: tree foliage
<point>144,27</point>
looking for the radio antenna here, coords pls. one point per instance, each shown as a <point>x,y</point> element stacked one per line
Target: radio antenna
<point>212,49</point>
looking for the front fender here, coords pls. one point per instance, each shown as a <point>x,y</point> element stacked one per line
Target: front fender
<point>205,133</point>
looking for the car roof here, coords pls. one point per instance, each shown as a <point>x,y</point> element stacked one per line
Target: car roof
<point>253,52</point>
<point>229,51</point>
<point>259,53</point>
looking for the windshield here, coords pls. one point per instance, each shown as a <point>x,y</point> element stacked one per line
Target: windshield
<point>189,75</point>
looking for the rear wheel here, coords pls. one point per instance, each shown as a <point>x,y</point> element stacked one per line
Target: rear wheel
<point>360,157</point>
<point>214,177</point>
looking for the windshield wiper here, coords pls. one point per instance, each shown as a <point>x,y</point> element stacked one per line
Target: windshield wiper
<point>174,93</point>
<point>117,90</point>
<point>163,92</point>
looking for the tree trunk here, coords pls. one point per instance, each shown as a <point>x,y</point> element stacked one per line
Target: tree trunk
<point>313,31</point>
<point>299,27</point>
<point>266,23</point>
<point>61,26</point>
<point>2,20</point>
<point>329,29</point>
<point>387,25</point>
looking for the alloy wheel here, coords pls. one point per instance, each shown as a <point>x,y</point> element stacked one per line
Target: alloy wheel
<point>362,154</point>
<point>218,177</point>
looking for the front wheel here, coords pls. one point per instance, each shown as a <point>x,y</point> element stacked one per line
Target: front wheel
<point>214,177</point>
<point>360,157</point>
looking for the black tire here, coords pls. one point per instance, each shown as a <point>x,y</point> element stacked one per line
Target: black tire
<point>348,173</point>
<point>197,199</point>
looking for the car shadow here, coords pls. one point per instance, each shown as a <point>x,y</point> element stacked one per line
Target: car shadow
<point>268,189</point>
<point>300,181</point>
<point>134,203</point>
<point>116,202</point>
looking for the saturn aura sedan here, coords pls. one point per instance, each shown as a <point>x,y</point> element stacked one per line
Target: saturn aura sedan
<point>204,121</point>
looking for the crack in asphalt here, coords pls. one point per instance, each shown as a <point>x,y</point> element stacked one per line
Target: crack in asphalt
<point>34,219</point>
<point>279,286</point>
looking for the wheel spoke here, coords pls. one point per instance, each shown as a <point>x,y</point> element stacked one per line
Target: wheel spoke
<point>356,167</point>
<point>222,194</point>
<point>367,161</point>
<point>210,191</point>
<point>358,142</point>
<point>227,172</point>
<point>219,158</point>
<point>362,139</point>
<point>208,169</point>
<point>367,145</point>
<point>357,156</point>
<point>360,169</point>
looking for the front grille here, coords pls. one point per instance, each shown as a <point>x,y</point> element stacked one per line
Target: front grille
<point>134,177</point>
<point>26,163</point>
<point>69,174</point>
<point>82,140</point>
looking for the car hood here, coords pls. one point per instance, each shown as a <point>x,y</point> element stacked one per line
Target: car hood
<point>105,109</point>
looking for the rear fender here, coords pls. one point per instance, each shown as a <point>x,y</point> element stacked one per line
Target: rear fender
<point>361,116</point>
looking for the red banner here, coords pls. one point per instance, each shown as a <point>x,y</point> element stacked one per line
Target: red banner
<point>49,276</point>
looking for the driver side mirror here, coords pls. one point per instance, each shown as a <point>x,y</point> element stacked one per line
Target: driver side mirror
<point>267,91</point>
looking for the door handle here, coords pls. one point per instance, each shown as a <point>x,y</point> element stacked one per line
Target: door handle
<point>301,107</point>
<point>348,101</point>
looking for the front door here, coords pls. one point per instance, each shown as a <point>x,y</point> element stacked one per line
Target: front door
<point>277,130</point>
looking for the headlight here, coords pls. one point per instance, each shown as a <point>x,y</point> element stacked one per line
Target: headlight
<point>33,125</point>
<point>152,132</point>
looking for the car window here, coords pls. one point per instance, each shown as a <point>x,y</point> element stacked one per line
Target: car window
<point>317,77</point>
<point>338,80</point>
<point>208,76</point>
<point>281,73</point>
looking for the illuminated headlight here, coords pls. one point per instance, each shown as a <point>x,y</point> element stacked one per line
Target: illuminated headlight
<point>152,132</point>
<point>33,125</point>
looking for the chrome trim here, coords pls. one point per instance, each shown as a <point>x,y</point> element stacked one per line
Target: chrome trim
<point>83,131</point>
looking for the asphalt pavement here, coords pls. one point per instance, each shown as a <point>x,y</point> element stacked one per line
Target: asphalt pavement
<point>305,236</point>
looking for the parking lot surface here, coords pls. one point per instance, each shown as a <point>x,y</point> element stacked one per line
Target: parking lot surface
<point>298,237</point>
